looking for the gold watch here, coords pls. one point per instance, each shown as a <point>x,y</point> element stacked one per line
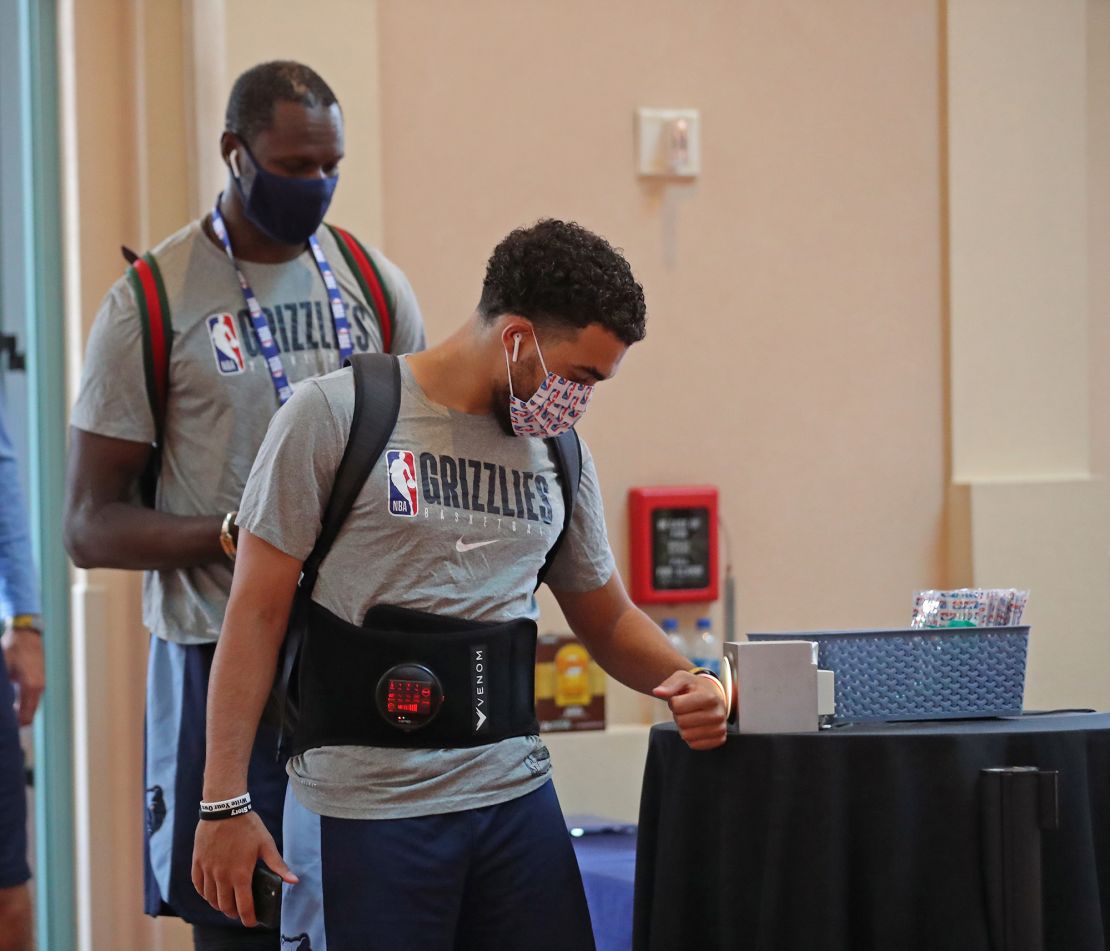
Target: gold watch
<point>227,540</point>
<point>25,622</point>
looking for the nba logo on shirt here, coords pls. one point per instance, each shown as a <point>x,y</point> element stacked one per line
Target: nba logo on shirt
<point>401,471</point>
<point>225,344</point>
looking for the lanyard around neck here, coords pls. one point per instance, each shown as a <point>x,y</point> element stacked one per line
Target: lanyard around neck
<point>258,319</point>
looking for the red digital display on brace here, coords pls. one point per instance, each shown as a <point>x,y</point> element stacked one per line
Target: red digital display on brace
<point>409,698</point>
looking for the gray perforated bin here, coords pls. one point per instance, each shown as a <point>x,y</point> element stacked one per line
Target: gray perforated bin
<point>907,674</point>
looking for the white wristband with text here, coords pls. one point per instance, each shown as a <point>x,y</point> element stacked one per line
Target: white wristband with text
<point>236,803</point>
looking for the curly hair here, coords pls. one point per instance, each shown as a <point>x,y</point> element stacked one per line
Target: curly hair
<point>557,272</point>
<point>250,107</point>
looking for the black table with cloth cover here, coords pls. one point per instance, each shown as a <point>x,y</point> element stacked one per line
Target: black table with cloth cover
<point>861,838</point>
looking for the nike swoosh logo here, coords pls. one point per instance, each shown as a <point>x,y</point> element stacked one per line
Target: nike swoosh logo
<point>462,547</point>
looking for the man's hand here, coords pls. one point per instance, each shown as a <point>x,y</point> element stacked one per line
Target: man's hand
<point>225,853</point>
<point>27,669</point>
<point>698,706</point>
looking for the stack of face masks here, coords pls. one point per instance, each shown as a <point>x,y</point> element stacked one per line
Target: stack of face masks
<point>969,607</point>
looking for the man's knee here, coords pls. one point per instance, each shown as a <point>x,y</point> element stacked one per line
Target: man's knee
<point>15,918</point>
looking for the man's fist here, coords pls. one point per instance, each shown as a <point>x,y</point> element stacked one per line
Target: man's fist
<point>698,705</point>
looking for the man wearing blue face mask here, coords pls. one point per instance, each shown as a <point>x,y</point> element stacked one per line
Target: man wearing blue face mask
<point>421,811</point>
<point>222,321</point>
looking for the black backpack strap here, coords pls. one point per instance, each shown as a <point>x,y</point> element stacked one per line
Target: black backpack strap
<point>377,403</point>
<point>377,380</point>
<point>568,459</point>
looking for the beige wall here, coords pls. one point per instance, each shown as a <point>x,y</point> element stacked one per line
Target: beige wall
<point>1098,225</point>
<point>1027,165</point>
<point>1018,161</point>
<point>794,353</point>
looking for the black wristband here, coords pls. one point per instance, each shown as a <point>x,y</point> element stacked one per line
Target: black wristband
<point>226,813</point>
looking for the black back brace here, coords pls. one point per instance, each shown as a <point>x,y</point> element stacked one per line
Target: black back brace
<point>324,693</point>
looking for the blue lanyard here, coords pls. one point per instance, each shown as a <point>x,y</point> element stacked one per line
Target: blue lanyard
<point>258,319</point>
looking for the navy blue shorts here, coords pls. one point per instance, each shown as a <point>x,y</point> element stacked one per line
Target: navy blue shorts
<point>13,791</point>
<point>176,697</point>
<point>499,878</point>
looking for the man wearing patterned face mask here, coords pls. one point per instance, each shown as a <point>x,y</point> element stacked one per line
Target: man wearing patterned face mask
<point>556,403</point>
<point>222,320</point>
<point>421,810</point>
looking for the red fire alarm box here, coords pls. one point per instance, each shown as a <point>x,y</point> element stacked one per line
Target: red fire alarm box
<point>673,544</point>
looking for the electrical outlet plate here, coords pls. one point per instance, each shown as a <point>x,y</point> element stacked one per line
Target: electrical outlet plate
<point>668,142</point>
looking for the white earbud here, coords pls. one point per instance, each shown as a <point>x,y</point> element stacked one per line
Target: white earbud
<point>233,159</point>
<point>516,346</point>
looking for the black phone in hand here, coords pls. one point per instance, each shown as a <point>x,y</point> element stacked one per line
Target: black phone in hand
<point>266,891</point>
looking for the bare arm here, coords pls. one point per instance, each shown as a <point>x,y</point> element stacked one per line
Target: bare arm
<point>246,659</point>
<point>619,636</point>
<point>225,852</point>
<point>630,646</point>
<point>107,527</point>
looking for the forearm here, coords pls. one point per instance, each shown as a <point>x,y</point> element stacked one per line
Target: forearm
<point>636,652</point>
<point>243,669</point>
<point>242,675</point>
<point>124,535</point>
<point>629,646</point>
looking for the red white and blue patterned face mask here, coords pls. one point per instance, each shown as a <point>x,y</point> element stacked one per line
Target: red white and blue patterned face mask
<point>553,409</point>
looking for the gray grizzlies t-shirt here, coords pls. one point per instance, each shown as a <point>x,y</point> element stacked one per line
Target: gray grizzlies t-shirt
<point>220,397</point>
<point>456,518</point>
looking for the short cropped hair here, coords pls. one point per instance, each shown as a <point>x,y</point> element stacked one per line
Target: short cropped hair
<point>250,107</point>
<point>556,272</point>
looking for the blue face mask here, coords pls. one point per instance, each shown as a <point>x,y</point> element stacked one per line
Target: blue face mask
<point>286,208</point>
